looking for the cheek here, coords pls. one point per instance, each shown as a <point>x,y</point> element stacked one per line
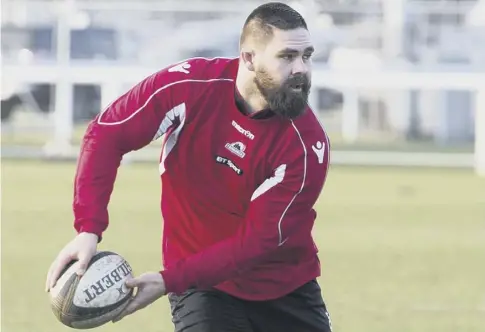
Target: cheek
<point>309,67</point>
<point>286,68</point>
<point>280,71</point>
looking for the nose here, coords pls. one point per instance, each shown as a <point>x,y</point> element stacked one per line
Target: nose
<point>299,66</point>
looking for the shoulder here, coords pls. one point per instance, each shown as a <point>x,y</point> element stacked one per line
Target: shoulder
<point>308,131</point>
<point>211,67</point>
<point>309,125</point>
<point>305,146</point>
<point>197,70</point>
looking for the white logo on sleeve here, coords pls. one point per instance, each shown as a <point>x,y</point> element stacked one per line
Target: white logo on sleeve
<point>319,149</point>
<point>181,67</point>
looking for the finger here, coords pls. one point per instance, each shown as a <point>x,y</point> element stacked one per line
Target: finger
<point>48,278</point>
<point>132,306</point>
<point>60,263</point>
<point>84,259</point>
<point>133,282</point>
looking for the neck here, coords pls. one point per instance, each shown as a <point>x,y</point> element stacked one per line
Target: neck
<point>252,98</point>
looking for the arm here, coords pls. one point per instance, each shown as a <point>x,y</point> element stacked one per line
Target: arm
<point>281,209</point>
<point>129,123</point>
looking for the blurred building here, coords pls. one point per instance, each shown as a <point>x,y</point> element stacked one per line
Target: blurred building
<point>406,35</point>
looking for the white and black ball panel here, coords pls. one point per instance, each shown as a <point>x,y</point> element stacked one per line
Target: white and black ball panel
<point>98,320</point>
<point>95,298</point>
<point>68,272</point>
<point>99,277</point>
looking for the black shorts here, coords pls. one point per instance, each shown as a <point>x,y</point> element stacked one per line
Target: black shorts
<point>303,310</point>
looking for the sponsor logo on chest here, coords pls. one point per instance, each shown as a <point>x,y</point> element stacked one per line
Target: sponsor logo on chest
<point>243,131</point>
<point>229,163</point>
<point>237,148</point>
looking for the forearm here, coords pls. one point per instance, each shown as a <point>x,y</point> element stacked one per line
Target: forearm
<point>93,187</point>
<point>220,262</point>
<point>284,211</point>
<point>96,171</point>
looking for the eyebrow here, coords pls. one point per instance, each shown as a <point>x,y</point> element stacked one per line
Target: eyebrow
<point>309,49</point>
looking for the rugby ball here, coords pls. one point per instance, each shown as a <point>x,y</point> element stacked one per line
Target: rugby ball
<point>95,298</point>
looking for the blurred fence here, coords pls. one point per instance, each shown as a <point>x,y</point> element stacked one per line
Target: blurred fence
<point>395,82</point>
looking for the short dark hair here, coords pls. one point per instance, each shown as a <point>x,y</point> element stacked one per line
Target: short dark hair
<point>262,20</point>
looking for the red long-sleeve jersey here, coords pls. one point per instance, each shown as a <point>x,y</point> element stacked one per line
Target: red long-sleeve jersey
<point>237,190</point>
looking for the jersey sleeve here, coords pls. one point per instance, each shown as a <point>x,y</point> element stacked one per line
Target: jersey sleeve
<point>280,214</point>
<point>132,121</point>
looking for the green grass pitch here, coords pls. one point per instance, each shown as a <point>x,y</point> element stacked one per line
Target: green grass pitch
<point>402,250</point>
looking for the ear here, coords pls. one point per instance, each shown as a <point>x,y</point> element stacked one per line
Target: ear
<point>248,59</point>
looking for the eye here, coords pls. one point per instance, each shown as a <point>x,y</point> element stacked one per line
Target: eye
<point>307,56</point>
<point>287,56</point>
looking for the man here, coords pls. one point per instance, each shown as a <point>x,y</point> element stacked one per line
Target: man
<point>244,160</point>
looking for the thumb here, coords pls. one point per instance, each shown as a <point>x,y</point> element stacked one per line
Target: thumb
<point>84,259</point>
<point>133,282</point>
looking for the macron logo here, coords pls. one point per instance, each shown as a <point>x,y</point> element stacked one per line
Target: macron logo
<point>319,149</point>
<point>246,133</point>
<point>182,67</point>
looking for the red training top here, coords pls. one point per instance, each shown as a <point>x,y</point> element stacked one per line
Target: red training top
<point>237,190</point>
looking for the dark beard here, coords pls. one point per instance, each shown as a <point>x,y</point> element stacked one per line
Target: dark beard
<point>283,100</point>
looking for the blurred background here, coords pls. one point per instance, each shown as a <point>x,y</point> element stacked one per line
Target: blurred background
<point>394,75</point>
<point>398,84</point>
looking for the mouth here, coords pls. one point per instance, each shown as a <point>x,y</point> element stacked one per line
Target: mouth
<point>297,87</point>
